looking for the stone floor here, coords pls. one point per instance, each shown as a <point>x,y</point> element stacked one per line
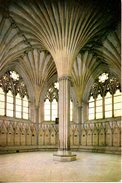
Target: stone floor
<point>40,167</point>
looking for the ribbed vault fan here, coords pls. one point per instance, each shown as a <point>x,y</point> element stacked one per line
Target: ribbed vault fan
<point>12,43</point>
<point>85,69</point>
<point>110,52</point>
<point>61,27</point>
<point>38,67</point>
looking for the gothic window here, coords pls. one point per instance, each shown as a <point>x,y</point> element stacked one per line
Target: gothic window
<point>105,98</point>
<point>51,103</point>
<point>13,96</point>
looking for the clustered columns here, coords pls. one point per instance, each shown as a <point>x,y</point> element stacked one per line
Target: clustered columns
<point>79,113</point>
<point>37,124</point>
<point>79,119</point>
<point>64,153</point>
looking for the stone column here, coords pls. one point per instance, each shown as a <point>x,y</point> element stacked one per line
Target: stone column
<point>79,120</point>
<point>79,114</point>
<point>37,125</point>
<point>64,153</point>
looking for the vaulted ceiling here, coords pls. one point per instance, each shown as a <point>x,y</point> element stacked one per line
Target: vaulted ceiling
<point>44,37</point>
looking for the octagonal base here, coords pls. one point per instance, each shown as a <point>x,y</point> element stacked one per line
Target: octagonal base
<point>64,156</point>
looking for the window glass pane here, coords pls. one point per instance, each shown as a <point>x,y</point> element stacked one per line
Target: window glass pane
<point>25,115</point>
<point>9,111</point>
<point>91,110</point>
<point>91,116</point>
<point>18,100</point>
<point>25,101</point>
<point>54,109</point>
<point>2,112</point>
<point>108,114</point>
<point>91,104</point>
<point>2,95</point>
<point>47,110</point>
<point>108,107</point>
<point>25,108</point>
<point>118,113</point>
<point>18,106</point>
<point>98,102</point>
<point>54,114</point>
<point>108,99</point>
<point>117,103</point>
<point>2,102</point>
<point>54,105</point>
<point>2,105</point>
<point>99,115</point>
<point>117,98</point>
<point>47,104</point>
<point>18,114</point>
<point>117,106</point>
<point>9,97</point>
<point>99,109</point>
<point>47,118</point>
<point>9,106</point>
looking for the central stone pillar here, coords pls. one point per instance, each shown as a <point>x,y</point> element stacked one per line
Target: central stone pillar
<point>64,153</point>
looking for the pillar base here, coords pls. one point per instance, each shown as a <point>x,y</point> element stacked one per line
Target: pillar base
<point>64,156</point>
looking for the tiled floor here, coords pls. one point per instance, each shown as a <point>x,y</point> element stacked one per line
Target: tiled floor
<point>40,167</point>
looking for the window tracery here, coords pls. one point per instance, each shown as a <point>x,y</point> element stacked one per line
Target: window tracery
<point>104,96</point>
<point>13,96</point>
<point>51,103</point>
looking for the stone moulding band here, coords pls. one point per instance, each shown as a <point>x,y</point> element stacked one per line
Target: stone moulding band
<point>64,78</point>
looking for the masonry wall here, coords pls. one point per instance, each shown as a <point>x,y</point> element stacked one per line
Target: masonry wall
<point>87,136</point>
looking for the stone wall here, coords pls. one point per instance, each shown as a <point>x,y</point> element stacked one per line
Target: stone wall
<point>28,134</point>
<point>96,134</point>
